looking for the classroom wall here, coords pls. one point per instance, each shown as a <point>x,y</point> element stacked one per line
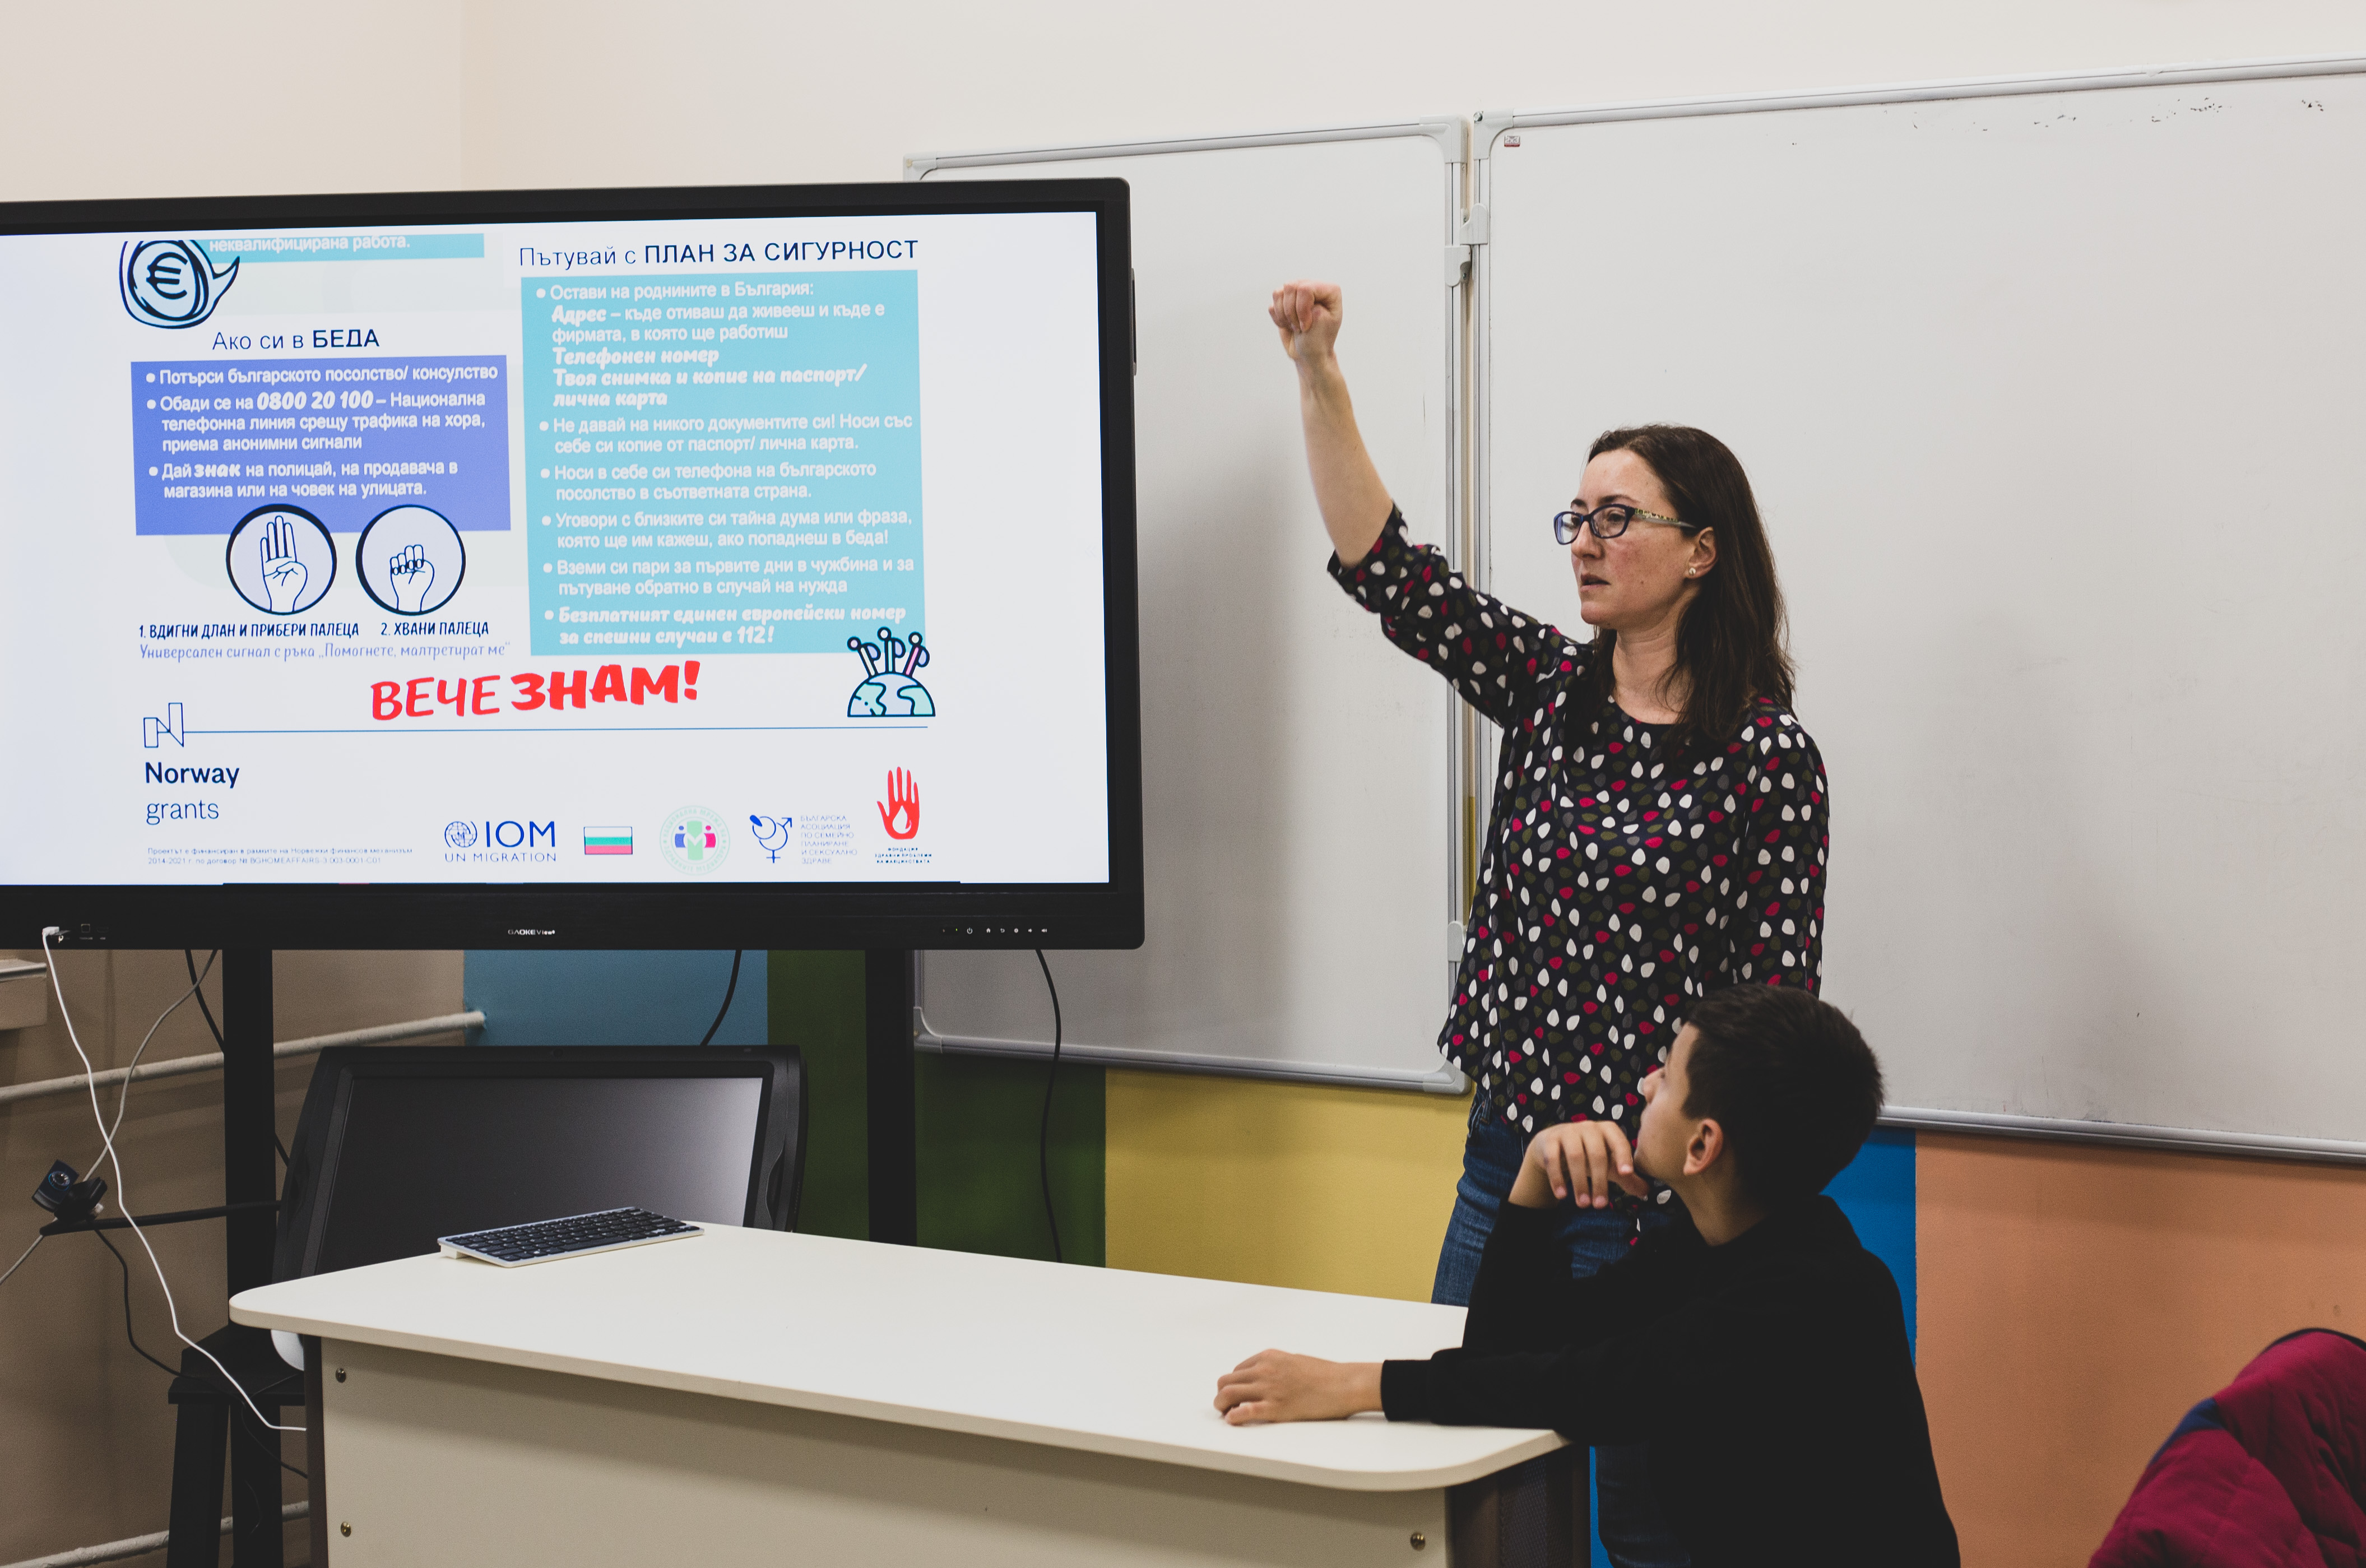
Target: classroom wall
<point>2072,1301</point>
<point>1305,1185</point>
<point>85,1436</point>
<point>2078,1301</point>
<point>987,1154</point>
<point>617,999</point>
<point>269,95</point>
<point>273,96</point>
<point>1325,1188</point>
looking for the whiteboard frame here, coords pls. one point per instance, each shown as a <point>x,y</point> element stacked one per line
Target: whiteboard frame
<point>1452,136</point>
<point>1489,126</point>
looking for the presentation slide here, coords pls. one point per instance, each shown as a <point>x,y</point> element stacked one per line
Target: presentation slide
<point>723,550</point>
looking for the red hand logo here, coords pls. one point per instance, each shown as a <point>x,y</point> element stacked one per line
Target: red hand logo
<point>902,806</point>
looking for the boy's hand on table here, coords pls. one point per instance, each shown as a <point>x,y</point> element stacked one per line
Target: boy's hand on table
<point>1274,1385</point>
<point>1582,1160</point>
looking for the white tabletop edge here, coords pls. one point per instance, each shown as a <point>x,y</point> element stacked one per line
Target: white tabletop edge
<point>257,1308</point>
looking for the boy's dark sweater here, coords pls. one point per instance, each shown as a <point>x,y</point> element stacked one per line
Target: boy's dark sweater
<point>1769,1378</point>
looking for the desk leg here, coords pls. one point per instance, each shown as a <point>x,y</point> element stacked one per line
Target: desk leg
<point>202,1429</point>
<point>889,1089</point>
<point>1531,1516</point>
<point>316,1449</point>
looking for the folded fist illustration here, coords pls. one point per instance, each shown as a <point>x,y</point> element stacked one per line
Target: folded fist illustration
<point>413,575</point>
<point>900,812</point>
<point>283,576</point>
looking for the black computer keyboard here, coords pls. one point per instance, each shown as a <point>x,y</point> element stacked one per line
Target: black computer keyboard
<point>570,1238</point>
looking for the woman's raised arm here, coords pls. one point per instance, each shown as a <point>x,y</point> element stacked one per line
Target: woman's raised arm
<point>1354,502</point>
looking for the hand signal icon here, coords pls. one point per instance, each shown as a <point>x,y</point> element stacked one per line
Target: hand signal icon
<point>284,575</point>
<point>280,560</point>
<point>900,812</point>
<point>412,575</point>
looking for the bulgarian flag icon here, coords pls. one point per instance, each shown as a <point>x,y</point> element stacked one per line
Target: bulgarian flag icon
<point>607,840</point>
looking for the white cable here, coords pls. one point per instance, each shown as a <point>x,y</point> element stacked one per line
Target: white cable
<point>90,1075</point>
<point>123,1100</point>
<point>21,1258</point>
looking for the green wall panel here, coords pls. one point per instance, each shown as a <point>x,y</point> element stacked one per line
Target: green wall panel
<point>980,1188</point>
<point>981,1185</point>
<point>816,1001</point>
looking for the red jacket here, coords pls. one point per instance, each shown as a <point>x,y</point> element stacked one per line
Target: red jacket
<point>2270,1473</point>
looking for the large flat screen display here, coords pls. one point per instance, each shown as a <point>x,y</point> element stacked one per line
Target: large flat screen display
<point>741,567</point>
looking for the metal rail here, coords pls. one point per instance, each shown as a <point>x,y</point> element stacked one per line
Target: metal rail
<point>1449,133</point>
<point>1440,1079</point>
<point>135,1546</point>
<point>1493,123</point>
<point>179,1066</point>
<point>2127,1135</point>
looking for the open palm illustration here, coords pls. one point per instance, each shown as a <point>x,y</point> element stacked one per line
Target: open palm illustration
<point>900,812</point>
<point>413,575</point>
<point>283,576</point>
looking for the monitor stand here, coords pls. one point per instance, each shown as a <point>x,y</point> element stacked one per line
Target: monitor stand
<point>249,1115</point>
<point>249,1195</point>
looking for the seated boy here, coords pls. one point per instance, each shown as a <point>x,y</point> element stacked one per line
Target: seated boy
<point>1756,1348</point>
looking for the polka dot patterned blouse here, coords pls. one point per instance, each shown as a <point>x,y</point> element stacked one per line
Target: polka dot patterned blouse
<point>1618,882</point>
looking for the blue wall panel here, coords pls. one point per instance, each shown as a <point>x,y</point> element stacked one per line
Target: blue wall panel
<point>613,998</point>
<point>1877,1194</point>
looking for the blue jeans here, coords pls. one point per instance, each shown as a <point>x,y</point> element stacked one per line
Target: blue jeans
<point>1628,1516</point>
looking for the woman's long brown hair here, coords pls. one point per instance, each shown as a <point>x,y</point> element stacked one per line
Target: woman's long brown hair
<point>1730,646</point>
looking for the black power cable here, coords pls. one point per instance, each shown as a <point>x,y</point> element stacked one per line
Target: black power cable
<point>238,1417</point>
<point>189,957</point>
<point>736,953</point>
<point>168,1371</point>
<point>1043,1132</point>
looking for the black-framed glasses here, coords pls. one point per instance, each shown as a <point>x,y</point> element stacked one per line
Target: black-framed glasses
<point>1609,522</point>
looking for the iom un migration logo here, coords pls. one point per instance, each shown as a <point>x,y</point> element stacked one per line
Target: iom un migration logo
<point>172,283</point>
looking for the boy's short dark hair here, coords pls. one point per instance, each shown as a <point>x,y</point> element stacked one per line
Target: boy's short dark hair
<point>1790,1080</point>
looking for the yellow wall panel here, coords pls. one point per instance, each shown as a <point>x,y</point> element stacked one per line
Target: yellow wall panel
<point>1305,1185</point>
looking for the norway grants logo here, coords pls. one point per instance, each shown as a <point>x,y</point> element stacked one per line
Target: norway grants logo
<point>171,283</point>
<point>900,812</point>
<point>695,840</point>
<point>888,688</point>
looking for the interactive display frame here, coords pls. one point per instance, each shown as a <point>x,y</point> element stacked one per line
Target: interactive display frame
<point>578,914</point>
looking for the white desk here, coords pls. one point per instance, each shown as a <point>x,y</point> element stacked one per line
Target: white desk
<point>749,1396</point>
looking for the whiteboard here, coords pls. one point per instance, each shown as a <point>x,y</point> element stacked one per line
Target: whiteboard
<point>1296,770</point>
<point>2053,402</point>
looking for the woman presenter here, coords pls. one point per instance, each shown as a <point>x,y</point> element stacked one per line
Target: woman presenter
<point>1659,821</point>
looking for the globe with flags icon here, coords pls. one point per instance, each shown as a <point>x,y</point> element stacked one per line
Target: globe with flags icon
<point>888,688</point>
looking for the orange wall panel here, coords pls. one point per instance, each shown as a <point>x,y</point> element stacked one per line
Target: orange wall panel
<point>2075,1301</point>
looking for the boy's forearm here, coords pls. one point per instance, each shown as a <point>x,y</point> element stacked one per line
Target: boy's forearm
<point>1360,1386</point>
